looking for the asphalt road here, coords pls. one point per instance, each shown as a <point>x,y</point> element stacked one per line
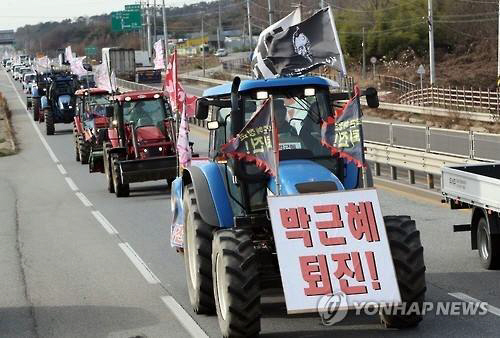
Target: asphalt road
<point>76,261</point>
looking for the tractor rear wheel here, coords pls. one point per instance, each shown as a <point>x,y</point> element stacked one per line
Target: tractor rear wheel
<point>84,149</point>
<point>121,189</point>
<point>197,255</point>
<point>108,168</point>
<point>49,122</point>
<point>236,283</point>
<point>408,257</point>
<point>77,152</point>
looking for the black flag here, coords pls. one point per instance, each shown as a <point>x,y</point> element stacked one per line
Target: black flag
<point>255,142</point>
<point>343,135</point>
<point>301,47</point>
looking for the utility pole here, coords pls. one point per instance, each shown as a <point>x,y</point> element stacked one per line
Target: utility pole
<point>148,24</point>
<point>249,25</point>
<point>203,43</point>
<point>498,67</point>
<point>165,32</point>
<point>431,46</point>
<point>322,4</point>
<point>363,72</point>
<point>219,29</point>
<point>270,10</point>
<point>154,20</point>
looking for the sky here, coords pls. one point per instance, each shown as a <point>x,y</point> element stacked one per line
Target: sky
<point>17,13</point>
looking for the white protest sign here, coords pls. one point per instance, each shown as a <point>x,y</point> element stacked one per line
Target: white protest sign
<point>329,243</point>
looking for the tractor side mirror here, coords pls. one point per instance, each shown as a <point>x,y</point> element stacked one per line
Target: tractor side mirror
<point>213,125</point>
<point>372,97</point>
<point>109,111</point>
<point>201,109</point>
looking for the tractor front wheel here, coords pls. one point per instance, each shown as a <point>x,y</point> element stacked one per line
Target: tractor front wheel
<point>236,283</point>
<point>197,255</point>
<point>108,169</point>
<point>49,122</point>
<point>408,257</point>
<point>121,189</point>
<point>35,107</point>
<point>84,150</point>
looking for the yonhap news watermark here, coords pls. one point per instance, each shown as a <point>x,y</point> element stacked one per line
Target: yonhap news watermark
<point>334,308</point>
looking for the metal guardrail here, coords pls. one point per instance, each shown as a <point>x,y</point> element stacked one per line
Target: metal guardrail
<point>397,84</point>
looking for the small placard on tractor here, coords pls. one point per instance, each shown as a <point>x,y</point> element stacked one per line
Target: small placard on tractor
<point>329,243</point>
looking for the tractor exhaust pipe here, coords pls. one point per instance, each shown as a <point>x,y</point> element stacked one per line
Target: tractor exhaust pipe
<point>236,118</point>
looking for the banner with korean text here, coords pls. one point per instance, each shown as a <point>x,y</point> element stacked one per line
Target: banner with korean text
<point>329,243</point>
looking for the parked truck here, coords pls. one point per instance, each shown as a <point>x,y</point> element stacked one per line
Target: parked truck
<point>477,187</point>
<point>121,61</point>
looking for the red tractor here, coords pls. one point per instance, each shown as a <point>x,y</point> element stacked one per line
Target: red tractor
<point>91,123</point>
<point>141,144</point>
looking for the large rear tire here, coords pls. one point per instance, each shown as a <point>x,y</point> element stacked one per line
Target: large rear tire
<point>108,169</point>
<point>236,283</point>
<point>488,246</point>
<point>408,257</point>
<point>197,256</point>
<point>49,122</point>
<point>121,189</point>
<point>35,107</point>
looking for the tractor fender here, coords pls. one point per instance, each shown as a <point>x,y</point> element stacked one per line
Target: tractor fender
<point>211,194</point>
<point>113,137</point>
<point>491,219</point>
<point>78,125</point>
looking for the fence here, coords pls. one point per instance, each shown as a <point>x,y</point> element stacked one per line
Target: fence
<point>397,84</point>
<point>455,99</point>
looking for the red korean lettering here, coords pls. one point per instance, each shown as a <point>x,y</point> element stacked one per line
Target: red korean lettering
<point>355,272</point>
<point>316,274</point>
<point>372,267</point>
<point>362,222</point>
<point>334,222</point>
<point>297,218</point>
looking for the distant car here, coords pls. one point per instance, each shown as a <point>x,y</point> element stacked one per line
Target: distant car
<point>8,65</point>
<point>28,80</point>
<point>221,52</point>
<point>21,72</point>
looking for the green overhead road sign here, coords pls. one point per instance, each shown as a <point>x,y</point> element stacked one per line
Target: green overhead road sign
<point>126,21</point>
<point>91,51</point>
<point>132,7</point>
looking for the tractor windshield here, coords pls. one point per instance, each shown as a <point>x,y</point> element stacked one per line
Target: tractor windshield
<point>145,112</point>
<point>97,105</point>
<point>298,120</point>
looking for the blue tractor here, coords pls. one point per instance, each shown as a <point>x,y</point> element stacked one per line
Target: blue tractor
<point>220,212</point>
<point>58,102</point>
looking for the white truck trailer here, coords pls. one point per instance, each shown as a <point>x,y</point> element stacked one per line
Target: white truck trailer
<point>477,187</point>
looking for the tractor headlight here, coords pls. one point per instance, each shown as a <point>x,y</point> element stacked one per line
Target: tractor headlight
<point>145,151</point>
<point>160,148</point>
<point>70,107</point>
<point>114,123</point>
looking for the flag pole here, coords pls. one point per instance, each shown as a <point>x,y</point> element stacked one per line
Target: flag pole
<point>276,146</point>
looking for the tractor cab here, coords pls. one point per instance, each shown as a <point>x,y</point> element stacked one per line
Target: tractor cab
<point>91,107</point>
<point>143,121</point>
<point>300,107</point>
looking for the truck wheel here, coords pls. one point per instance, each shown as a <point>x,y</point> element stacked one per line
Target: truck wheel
<point>107,169</point>
<point>121,189</point>
<point>408,257</point>
<point>236,283</point>
<point>49,122</point>
<point>197,256</point>
<point>488,246</point>
<point>84,149</point>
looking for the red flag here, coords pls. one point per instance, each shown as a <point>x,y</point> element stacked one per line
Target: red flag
<point>176,93</point>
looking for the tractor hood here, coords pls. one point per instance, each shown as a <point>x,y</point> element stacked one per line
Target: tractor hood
<point>149,135</point>
<point>304,176</point>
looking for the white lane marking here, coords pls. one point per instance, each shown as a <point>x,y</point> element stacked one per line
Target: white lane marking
<point>466,298</point>
<point>104,222</point>
<point>62,170</point>
<point>84,199</point>
<point>139,264</point>
<point>44,142</point>
<point>184,318</point>
<point>71,184</point>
